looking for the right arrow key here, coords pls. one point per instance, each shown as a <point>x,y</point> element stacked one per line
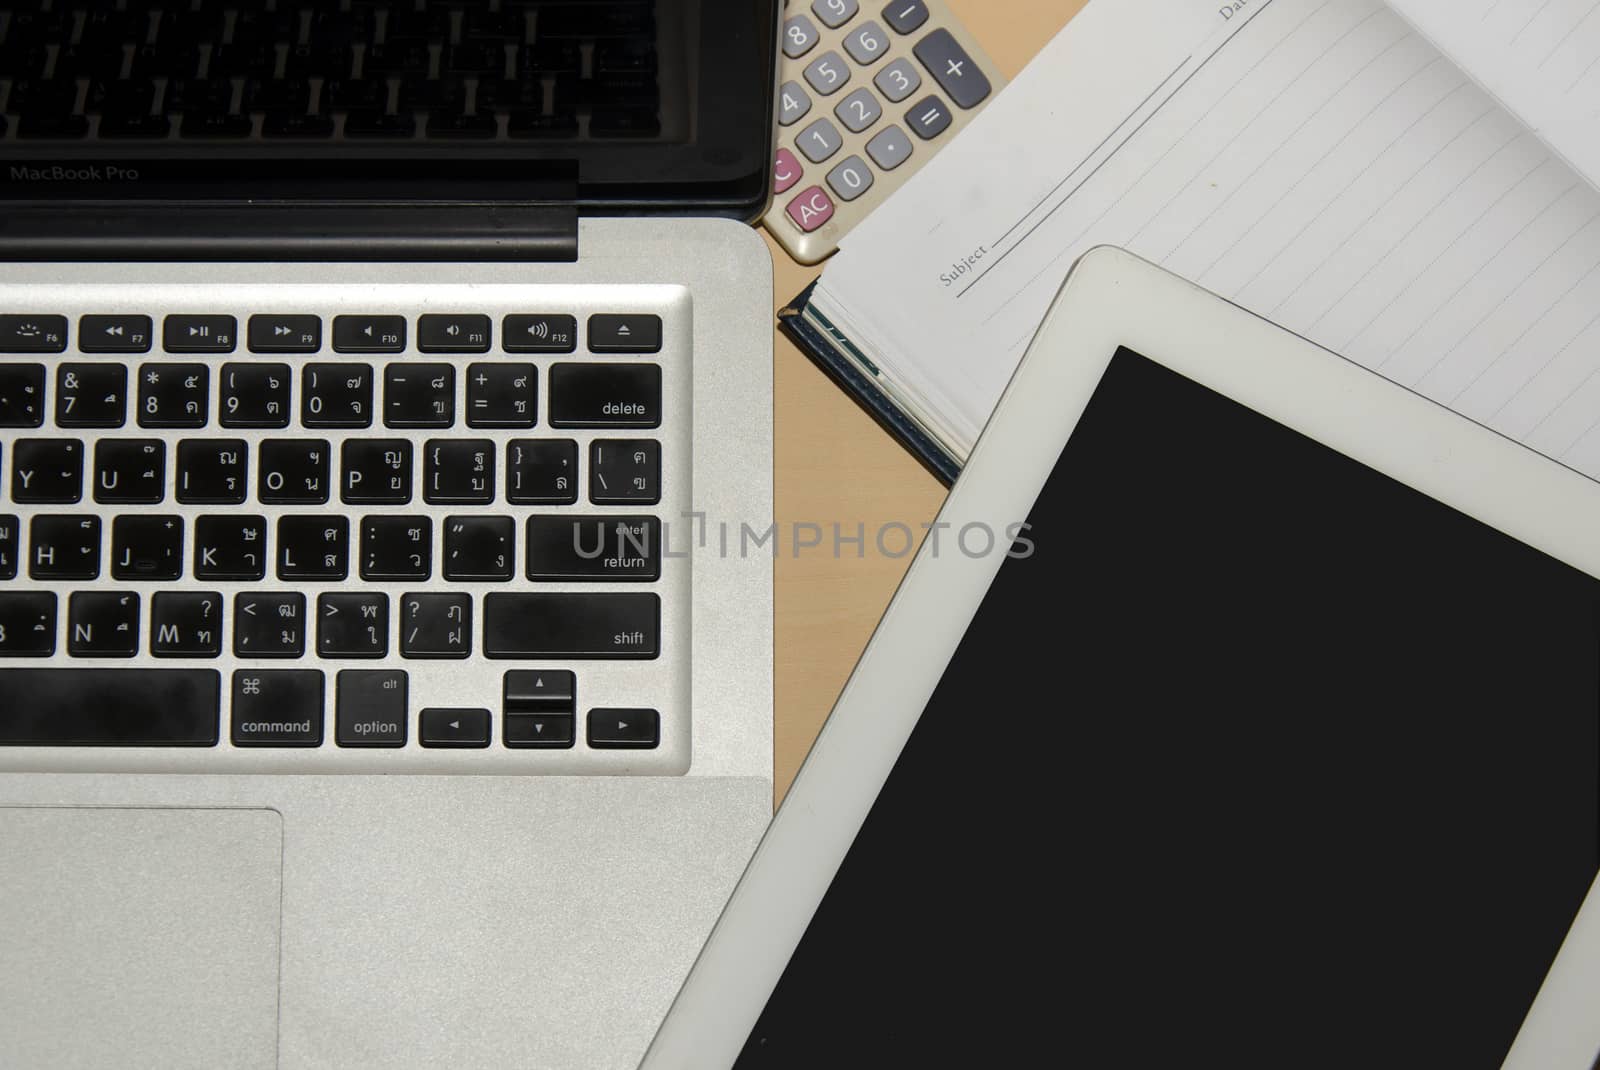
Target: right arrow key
<point>634,729</point>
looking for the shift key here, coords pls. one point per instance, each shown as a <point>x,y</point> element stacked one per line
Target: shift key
<point>572,625</point>
<point>605,395</point>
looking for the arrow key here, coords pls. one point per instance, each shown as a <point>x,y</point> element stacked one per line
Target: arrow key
<point>529,731</point>
<point>540,691</point>
<point>624,729</point>
<point>454,728</point>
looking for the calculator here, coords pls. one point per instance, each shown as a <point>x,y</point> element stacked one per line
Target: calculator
<point>870,92</point>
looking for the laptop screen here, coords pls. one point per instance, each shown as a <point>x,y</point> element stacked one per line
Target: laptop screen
<point>628,103</point>
<point>1259,759</point>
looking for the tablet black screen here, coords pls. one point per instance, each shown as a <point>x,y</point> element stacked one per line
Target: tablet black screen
<point>1262,759</point>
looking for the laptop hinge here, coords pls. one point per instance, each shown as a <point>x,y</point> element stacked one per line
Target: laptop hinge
<point>280,231</point>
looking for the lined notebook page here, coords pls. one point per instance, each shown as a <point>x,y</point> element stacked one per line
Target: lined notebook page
<point>1317,161</point>
<point>1539,58</point>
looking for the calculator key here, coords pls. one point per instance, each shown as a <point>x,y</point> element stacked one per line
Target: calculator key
<point>859,110</point>
<point>369,334</point>
<point>213,471</point>
<point>819,141</point>
<point>33,334</point>
<point>811,209</point>
<point>146,546</point>
<point>793,103</point>
<point>254,395</point>
<point>186,624</point>
<point>21,395</point>
<point>114,334</point>
<point>199,334</point>
<point>230,548</point>
<point>91,395</point>
<point>419,395</point>
<point>850,179</point>
<point>834,13</point>
<point>453,334</point>
<point>269,625</point>
<point>47,471</point>
<point>284,334</point>
<point>605,395</point>
<point>174,395</point>
<point>129,471</point>
<point>828,73</point>
<point>867,43</point>
<point>377,471</point>
<point>898,80</point>
<point>103,624</point>
<point>610,333</point>
<point>336,395</point>
<point>904,16</point>
<point>954,70</point>
<point>929,118</point>
<point>542,471</point>
<point>539,333</point>
<point>787,172</point>
<point>396,548</point>
<point>799,36</point>
<point>64,548</point>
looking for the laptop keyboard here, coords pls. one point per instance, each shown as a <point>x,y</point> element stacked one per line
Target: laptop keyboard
<point>234,70</point>
<point>357,526</point>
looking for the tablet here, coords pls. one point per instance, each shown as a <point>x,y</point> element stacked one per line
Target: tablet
<point>1245,712</point>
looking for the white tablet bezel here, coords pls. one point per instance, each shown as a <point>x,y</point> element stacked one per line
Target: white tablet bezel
<point>1111,299</point>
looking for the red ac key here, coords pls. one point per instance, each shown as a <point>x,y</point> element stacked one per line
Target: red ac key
<point>811,209</point>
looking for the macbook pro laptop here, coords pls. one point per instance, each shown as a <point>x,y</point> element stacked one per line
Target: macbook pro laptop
<point>372,375</point>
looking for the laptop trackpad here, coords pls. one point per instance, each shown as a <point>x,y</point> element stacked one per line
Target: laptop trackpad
<point>139,937</point>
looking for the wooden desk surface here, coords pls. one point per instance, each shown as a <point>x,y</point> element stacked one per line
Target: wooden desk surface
<point>834,465</point>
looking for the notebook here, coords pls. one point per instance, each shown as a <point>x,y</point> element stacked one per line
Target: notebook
<point>1324,163</point>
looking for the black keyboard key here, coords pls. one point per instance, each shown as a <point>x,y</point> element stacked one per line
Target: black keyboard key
<point>10,546</point>
<point>53,127</point>
<point>454,728</point>
<point>537,730</point>
<point>539,332</point>
<point>199,334</point>
<point>21,395</point>
<point>369,334</point>
<point>952,68</point>
<point>396,548</point>
<point>254,395</point>
<point>435,625</point>
<point>64,547</point>
<point>502,395</point>
<point>377,471</point>
<point>624,471</point>
<point>269,625</point>
<point>146,546</point>
<point>376,124</point>
<point>448,333</point>
<point>539,691</point>
<point>562,548</point>
<point>230,548</point>
<point>115,334</point>
<point>30,333</point>
<point>130,471</point>
<point>294,472</point>
<point>284,334</point>
<point>174,395</point>
<point>301,127</point>
<point>336,395</point>
<point>135,126</point>
<point>103,624</point>
<point>353,625</point>
<point>371,709</point>
<point>605,395</point>
<point>46,470</point>
<point>186,624</point>
<point>313,547</point>
<point>568,625</point>
<point>419,395</point>
<point>624,729</point>
<point>542,471</point>
<point>610,333</point>
<point>277,708</point>
<point>91,395</point>
<point>80,707</point>
<point>904,16</point>
<point>458,471</point>
<point>213,471</point>
<point>27,628</point>
<point>216,125</point>
<point>479,549</point>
